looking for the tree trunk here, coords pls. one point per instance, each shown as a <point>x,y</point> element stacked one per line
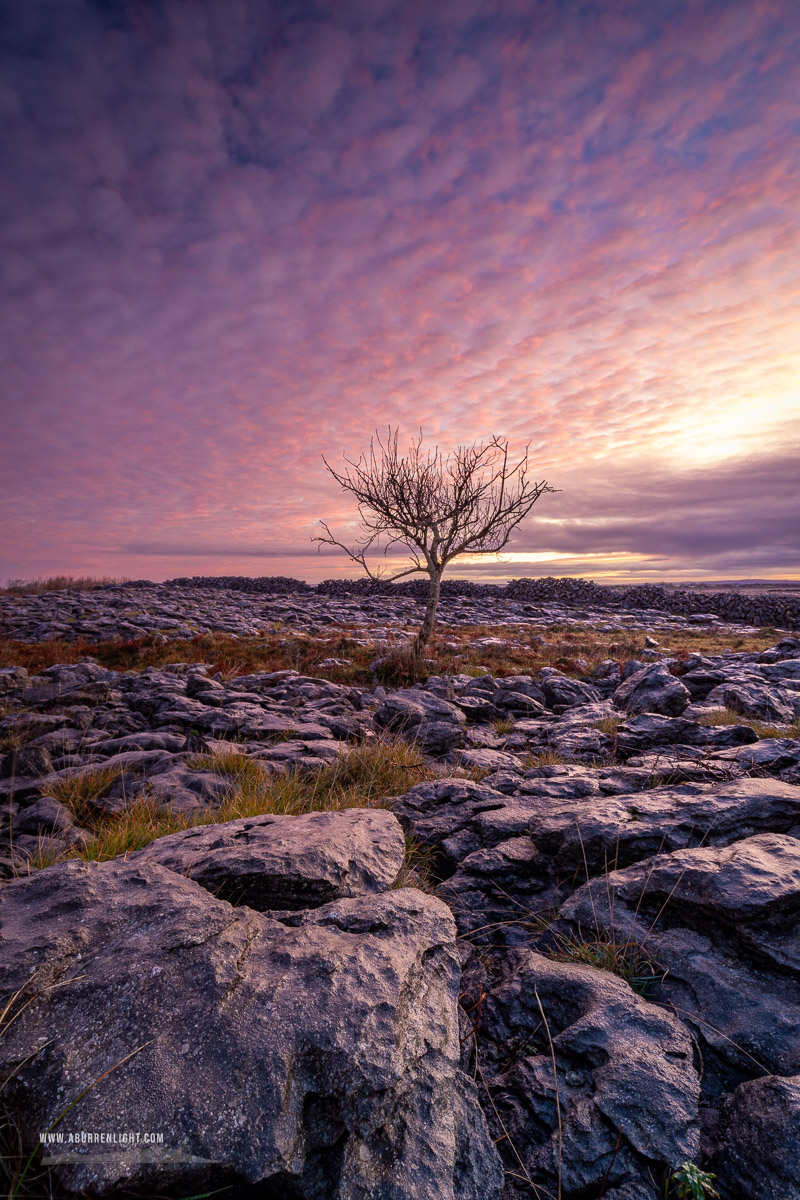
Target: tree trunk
<point>426,629</point>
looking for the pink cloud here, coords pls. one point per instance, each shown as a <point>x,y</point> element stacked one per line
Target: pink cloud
<point>235,243</point>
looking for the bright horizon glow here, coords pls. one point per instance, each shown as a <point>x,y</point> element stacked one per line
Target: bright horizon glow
<point>236,237</point>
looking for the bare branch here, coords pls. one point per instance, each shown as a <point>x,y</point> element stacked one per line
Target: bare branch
<point>434,507</point>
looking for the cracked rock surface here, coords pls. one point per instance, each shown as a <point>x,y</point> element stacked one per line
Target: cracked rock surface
<point>287,862</point>
<point>608,946</point>
<point>317,1059</point>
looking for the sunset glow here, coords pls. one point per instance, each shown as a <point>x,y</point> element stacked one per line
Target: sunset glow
<point>238,235</point>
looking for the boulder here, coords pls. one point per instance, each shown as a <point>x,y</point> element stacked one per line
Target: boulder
<point>627,1087</point>
<point>724,924</point>
<point>436,738</point>
<point>759,1149</point>
<point>652,690</point>
<point>754,698</point>
<point>403,710</point>
<point>287,862</point>
<point>561,692</point>
<point>315,1059</point>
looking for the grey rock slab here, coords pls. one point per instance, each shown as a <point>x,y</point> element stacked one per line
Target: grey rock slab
<point>624,1069</point>
<point>441,815</point>
<point>563,830</point>
<point>724,922</point>
<point>176,786</point>
<point>759,1149</point>
<point>558,840</point>
<point>437,738</point>
<point>403,710</point>
<point>485,759</point>
<point>753,698</point>
<point>559,781</point>
<point>772,754</point>
<point>648,730</point>
<point>148,739</point>
<point>598,832</point>
<point>319,1060</point>
<point>497,894</point>
<point>287,862</point>
<point>653,690</point>
<point>52,695</point>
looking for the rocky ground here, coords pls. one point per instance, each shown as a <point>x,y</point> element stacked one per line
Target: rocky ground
<point>596,982</point>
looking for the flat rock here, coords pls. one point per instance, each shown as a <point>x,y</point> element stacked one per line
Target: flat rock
<point>287,862</point>
<point>485,759</point>
<point>441,815</point>
<point>403,710</point>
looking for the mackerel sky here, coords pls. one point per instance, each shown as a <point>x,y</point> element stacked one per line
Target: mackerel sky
<point>238,234</point>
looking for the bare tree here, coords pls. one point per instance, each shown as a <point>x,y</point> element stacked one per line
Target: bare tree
<point>434,507</point>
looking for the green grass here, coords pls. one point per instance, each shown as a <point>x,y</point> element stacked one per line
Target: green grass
<point>628,960</point>
<point>609,725</point>
<point>548,758</point>
<point>81,793</point>
<point>688,1182</point>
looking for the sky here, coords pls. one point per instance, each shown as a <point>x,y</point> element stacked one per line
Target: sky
<point>237,235</point>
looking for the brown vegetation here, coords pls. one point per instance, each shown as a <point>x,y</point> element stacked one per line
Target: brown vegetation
<point>573,650</point>
<point>57,583</point>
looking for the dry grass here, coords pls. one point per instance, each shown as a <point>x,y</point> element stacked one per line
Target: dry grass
<point>363,777</point>
<point>58,583</point>
<point>729,716</point>
<point>230,656</point>
<point>548,758</point>
<point>81,793</point>
<point>504,725</point>
<point>573,650</point>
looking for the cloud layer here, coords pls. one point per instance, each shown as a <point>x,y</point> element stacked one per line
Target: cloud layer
<point>238,235</point>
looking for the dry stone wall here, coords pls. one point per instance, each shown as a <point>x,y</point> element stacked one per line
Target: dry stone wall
<point>778,609</point>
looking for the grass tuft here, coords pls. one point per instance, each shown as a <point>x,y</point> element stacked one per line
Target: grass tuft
<point>629,960</point>
<point>729,716</point>
<point>81,793</point>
